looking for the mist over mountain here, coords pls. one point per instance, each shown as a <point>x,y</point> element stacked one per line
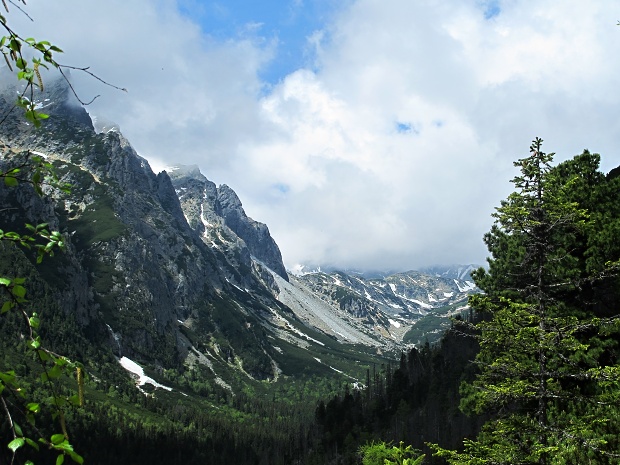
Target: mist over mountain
<point>167,269</point>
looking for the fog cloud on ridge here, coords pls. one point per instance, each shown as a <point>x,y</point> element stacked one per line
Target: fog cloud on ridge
<point>394,142</point>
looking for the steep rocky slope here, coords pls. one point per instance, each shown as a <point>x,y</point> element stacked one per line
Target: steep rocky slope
<point>393,309</point>
<point>152,282</point>
<point>167,269</point>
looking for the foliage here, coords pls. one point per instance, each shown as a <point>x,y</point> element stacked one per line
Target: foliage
<point>17,407</point>
<point>380,453</point>
<point>414,403</point>
<point>13,48</point>
<point>36,172</point>
<point>548,360</point>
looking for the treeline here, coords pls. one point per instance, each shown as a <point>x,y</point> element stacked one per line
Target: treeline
<point>259,423</point>
<point>415,402</point>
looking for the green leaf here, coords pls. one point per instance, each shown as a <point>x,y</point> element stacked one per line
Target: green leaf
<point>64,446</point>
<point>76,457</point>
<point>5,282</point>
<point>18,429</point>
<point>32,444</point>
<point>34,321</point>
<point>16,444</point>
<point>15,45</point>
<point>57,439</point>
<point>10,181</point>
<point>33,407</point>
<point>60,459</point>
<point>19,291</point>
<point>21,63</point>
<point>6,306</point>
<point>8,377</point>
<point>54,372</point>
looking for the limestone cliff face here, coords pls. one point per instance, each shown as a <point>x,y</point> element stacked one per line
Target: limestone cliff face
<point>138,270</point>
<point>256,235</point>
<point>217,214</point>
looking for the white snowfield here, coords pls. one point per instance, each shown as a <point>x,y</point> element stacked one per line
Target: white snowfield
<point>468,286</point>
<point>137,370</point>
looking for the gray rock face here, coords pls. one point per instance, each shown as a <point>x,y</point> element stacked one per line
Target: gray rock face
<point>138,269</point>
<point>256,235</point>
<point>395,305</point>
<point>217,213</point>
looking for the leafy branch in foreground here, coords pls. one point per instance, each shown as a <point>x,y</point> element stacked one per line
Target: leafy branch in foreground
<point>380,453</point>
<point>13,46</point>
<point>18,410</point>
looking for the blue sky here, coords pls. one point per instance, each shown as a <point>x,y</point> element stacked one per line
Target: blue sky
<point>364,133</point>
<point>492,8</point>
<point>282,26</point>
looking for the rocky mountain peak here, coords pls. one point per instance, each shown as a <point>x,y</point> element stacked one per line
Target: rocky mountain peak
<point>211,210</point>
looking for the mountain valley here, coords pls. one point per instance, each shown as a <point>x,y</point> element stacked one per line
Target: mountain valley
<point>168,270</point>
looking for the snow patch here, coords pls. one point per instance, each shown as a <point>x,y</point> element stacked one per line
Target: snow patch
<point>394,323</point>
<point>421,304</point>
<point>40,154</point>
<point>467,286</point>
<point>137,370</point>
<point>305,336</point>
<point>206,224</point>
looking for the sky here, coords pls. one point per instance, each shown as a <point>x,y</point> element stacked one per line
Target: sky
<point>366,134</point>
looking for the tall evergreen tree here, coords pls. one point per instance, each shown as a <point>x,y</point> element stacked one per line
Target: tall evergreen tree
<point>548,361</point>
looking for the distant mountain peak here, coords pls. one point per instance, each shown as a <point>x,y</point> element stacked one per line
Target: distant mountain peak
<point>190,171</point>
<point>207,207</point>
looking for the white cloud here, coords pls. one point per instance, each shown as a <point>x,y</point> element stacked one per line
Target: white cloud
<point>319,157</point>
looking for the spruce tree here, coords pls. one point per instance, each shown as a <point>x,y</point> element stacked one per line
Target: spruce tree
<point>548,364</point>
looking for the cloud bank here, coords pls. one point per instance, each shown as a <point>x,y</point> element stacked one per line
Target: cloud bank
<point>391,146</point>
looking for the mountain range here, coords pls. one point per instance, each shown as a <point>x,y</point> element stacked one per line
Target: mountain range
<point>167,271</point>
